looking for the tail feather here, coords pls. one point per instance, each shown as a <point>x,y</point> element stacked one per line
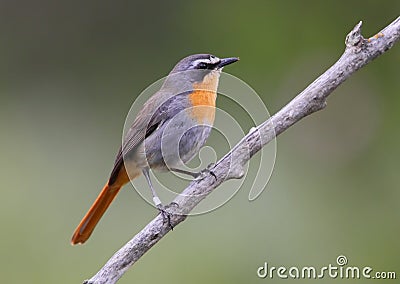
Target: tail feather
<point>92,217</point>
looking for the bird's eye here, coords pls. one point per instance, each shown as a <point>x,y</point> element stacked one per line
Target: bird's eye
<point>202,65</point>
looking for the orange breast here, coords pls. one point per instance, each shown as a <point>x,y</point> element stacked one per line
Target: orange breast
<point>203,99</point>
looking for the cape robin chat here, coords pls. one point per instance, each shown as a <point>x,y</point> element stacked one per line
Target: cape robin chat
<point>169,131</point>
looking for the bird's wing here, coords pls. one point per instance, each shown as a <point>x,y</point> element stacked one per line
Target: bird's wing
<point>158,109</point>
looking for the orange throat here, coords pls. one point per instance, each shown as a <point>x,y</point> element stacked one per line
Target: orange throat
<point>203,99</point>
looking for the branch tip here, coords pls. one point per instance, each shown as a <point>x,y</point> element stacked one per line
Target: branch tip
<point>354,37</point>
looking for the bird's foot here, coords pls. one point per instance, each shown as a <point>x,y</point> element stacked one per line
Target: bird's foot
<point>206,171</point>
<point>166,213</point>
<point>196,175</point>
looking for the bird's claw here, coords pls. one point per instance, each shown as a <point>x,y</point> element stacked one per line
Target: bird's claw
<point>206,171</point>
<point>165,214</point>
<point>173,204</point>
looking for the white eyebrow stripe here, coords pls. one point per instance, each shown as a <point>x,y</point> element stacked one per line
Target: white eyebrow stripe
<point>211,60</point>
<point>214,59</point>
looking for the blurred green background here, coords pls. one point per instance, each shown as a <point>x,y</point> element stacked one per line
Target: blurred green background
<point>70,71</point>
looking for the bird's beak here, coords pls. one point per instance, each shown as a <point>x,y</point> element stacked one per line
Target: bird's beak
<point>227,61</point>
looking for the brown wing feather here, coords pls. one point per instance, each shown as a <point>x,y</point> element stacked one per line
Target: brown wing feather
<point>146,122</point>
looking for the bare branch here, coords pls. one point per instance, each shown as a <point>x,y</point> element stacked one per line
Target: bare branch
<point>359,52</point>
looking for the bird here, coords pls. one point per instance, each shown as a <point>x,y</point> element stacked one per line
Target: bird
<point>169,130</point>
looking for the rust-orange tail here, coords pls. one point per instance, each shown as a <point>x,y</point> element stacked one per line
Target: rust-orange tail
<point>92,217</point>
